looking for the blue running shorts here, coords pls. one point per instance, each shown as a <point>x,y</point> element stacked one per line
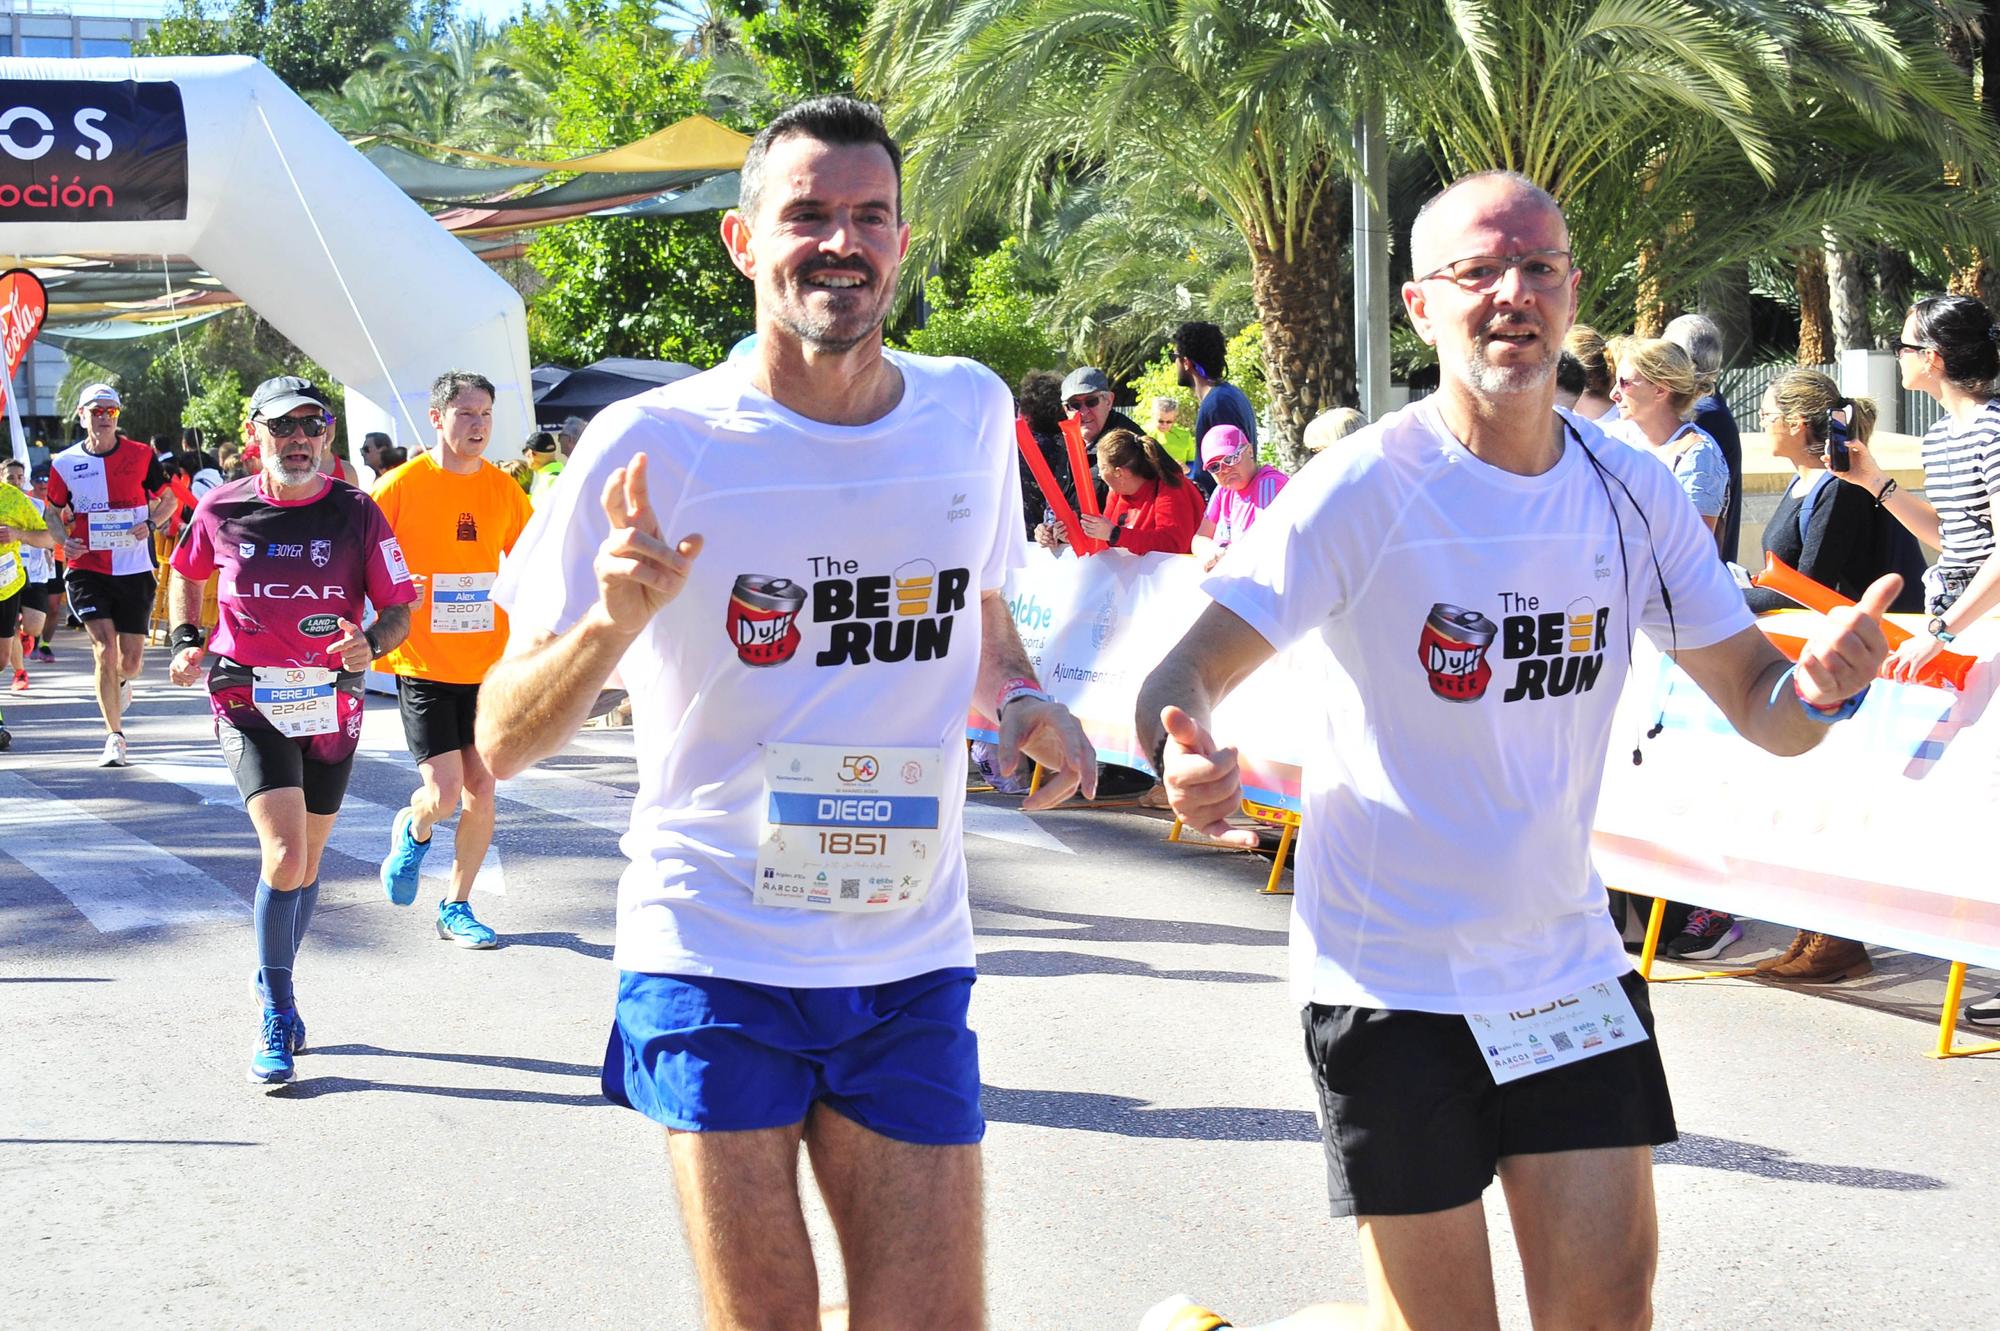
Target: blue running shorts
<point>703,1054</point>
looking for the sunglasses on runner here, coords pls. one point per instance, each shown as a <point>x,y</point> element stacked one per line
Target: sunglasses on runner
<point>285,426</point>
<point>1083,402</point>
<point>105,411</point>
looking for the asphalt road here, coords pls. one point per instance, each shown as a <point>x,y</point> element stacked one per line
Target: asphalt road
<point>445,1159</point>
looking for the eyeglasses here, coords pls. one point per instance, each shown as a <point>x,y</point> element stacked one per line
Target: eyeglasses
<point>1901,346</point>
<point>284,427</point>
<point>1226,460</point>
<point>1083,402</point>
<point>111,412</point>
<point>1542,270</point>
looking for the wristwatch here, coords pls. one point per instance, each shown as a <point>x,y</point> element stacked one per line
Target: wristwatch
<point>1940,632</point>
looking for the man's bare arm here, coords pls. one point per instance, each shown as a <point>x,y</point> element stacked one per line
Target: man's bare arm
<point>541,693</point>
<point>1044,731</point>
<point>1218,652</point>
<point>186,598</point>
<point>391,626</point>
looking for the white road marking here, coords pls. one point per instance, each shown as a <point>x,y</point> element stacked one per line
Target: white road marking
<point>117,880</point>
<point>361,832</point>
<point>1002,824</point>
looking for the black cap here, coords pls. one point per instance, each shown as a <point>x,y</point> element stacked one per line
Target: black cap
<point>288,392</point>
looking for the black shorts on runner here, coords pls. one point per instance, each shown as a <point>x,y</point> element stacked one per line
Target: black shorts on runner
<point>35,597</point>
<point>126,599</point>
<point>10,615</point>
<point>1414,1123</point>
<point>262,759</point>
<point>437,718</point>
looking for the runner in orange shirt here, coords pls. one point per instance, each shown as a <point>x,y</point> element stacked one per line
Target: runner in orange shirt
<point>455,514</point>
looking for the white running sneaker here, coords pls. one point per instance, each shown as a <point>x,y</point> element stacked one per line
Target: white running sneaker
<point>115,753</point>
<point>124,696</point>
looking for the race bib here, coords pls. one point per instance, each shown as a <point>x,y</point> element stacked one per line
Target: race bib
<point>116,528</point>
<point>851,828</point>
<point>1593,1021</point>
<point>462,602</point>
<point>10,567</point>
<point>296,700</point>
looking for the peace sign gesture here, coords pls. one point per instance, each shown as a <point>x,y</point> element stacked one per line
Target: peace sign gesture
<point>637,572</point>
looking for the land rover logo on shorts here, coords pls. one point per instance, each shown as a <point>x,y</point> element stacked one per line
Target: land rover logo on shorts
<point>319,626</point>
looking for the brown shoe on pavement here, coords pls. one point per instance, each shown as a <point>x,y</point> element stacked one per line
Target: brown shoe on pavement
<point>1823,960</point>
<point>1800,942</point>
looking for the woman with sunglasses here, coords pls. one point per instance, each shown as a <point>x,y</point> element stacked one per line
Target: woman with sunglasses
<point>1244,487</point>
<point>1949,349</point>
<point>1656,390</point>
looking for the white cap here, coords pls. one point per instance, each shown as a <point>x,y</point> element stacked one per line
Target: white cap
<point>98,395</point>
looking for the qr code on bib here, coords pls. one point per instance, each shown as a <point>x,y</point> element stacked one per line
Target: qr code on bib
<point>1560,1039</point>
<point>850,889</point>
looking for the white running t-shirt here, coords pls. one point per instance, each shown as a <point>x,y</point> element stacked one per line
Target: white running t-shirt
<point>835,527</point>
<point>1479,624</point>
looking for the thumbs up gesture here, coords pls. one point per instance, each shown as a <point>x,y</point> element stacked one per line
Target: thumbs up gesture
<point>1849,648</point>
<point>1203,783</point>
<point>351,647</point>
<point>638,573</point>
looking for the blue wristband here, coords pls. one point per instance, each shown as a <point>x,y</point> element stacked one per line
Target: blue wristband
<point>1787,684</point>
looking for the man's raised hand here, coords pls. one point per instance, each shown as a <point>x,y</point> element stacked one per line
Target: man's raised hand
<point>1203,783</point>
<point>1848,651</point>
<point>638,573</point>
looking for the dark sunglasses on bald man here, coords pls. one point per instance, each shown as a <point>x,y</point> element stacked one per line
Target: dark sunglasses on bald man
<point>285,426</point>
<point>1083,402</point>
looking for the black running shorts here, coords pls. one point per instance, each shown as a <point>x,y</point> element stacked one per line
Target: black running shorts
<point>126,599</point>
<point>10,615</point>
<point>35,596</point>
<point>437,718</point>
<point>1414,1122</point>
<point>261,759</point>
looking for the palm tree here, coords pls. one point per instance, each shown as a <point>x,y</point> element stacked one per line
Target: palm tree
<point>1684,137</point>
<point>1002,103</point>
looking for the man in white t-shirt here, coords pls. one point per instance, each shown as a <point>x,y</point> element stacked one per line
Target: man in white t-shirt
<point>794,941</point>
<point>1476,565</point>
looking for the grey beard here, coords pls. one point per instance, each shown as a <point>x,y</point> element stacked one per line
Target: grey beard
<point>820,336</point>
<point>1483,376</point>
<point>287,476</point>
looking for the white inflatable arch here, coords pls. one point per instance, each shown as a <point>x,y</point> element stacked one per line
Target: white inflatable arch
<point>247,181</point>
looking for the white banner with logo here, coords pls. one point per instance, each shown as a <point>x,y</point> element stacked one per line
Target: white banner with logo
<point>1874,835</point>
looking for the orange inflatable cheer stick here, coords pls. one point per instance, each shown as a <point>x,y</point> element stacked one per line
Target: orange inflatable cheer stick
<point>1031,453</point>
<point>1780,577</point>
<point>1079,467</point>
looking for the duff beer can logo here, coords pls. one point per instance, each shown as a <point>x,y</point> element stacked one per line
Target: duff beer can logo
<point>764,618</point>
<point>1453,652</point>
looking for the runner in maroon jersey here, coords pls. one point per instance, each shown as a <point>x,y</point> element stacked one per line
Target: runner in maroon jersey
<point>299,552</point>
<point>109,491</point>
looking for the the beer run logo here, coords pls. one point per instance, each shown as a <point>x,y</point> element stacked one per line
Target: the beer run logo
<point>904,615</point>
<point>1554,653</point>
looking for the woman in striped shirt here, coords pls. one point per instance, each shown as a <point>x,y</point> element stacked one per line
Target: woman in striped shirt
<point>1950,349</point>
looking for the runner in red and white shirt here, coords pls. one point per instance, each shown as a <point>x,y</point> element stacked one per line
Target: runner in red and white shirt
<point>109,491</point>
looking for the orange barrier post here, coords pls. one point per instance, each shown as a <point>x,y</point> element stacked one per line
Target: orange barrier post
<point>1780,577</point>
<point>1031,453</point>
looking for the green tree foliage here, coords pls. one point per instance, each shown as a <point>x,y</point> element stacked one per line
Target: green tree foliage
<point>311,44</point>
<point>654,287</point>
<point>464,85</point>
<point>199,379</point>
<point>805,47</point>
<point>994,323</point>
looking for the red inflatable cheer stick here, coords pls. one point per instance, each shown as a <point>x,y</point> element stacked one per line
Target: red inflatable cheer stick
<point>1031,453</point>
<point>1780,577</point>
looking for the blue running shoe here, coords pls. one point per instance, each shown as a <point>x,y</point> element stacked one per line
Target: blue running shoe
<point>298,1032</point>
<point>272,1065</point>
<point>455,924</point>
<point>406,857</point>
